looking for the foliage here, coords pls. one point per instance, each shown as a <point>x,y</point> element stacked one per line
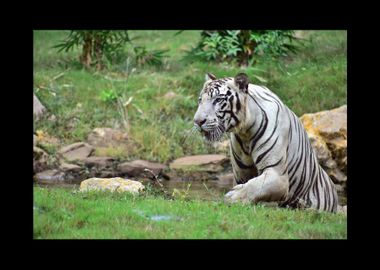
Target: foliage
<point>108,95</point>
<point>244,45</point>
<point>101,47</point>
<point>95,45</point>
<point>181,194</point>
<point>145,57</point>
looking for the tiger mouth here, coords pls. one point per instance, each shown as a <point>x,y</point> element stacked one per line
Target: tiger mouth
<point>214,134</point>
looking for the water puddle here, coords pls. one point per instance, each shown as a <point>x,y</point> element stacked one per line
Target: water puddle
<point>156,217</point>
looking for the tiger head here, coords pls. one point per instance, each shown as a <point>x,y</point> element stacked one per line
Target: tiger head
<point>221,105</point>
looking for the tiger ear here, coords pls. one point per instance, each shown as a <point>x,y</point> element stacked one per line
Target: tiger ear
<point>241,81</point>
<point>210,76</point>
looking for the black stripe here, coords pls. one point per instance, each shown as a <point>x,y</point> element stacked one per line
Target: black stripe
<point>260,157</point>
<point>251,126</point>
<point>272,165</point>
<point>275,128</point>
<point>296,166</point>
<point>241,144</point>
<point>305,182</point>
<point>238,106</point>
<point>239,163</point>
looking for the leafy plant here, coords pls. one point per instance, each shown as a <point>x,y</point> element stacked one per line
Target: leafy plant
<point>96,44</point>
<point>181,194</point>
<point>243,45</point>
<point>143,56</point>
<point>108,95</point>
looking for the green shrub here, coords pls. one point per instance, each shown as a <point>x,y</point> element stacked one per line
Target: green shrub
<point>243,45</point>
<point>96,44</point>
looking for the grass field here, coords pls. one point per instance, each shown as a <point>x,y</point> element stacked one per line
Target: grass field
<point>64,214</point>
<point>312,80</point>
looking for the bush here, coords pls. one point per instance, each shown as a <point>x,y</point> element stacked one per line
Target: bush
<point>100,47</point>
<point>243,45</point>
<point>96,44</point>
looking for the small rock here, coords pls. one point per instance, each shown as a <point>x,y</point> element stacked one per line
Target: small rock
<point>52,118</point>
<point>38,108</point>
<point>136,167</point>
<point>111,184</point>
<point>108,174</point>
<point>210,163</point>
<point>49,177</point>
<point>99,162</point>
<point>40,160</point>
<point>44,139</point>
<point>76,151</point>
<point>107,137</point>
<point>70,168</point>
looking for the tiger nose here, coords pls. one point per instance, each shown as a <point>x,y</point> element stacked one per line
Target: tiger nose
<point>200,122</point>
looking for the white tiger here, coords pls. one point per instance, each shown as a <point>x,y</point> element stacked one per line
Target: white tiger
<point>271,155</point>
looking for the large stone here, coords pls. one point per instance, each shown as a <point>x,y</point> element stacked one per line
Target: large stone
<point>111,184</point>
<point>209,163</point>
<point>76,151</point>
<point>107,137</point>
<point>40,160</point>
<point>99,162</point>
<point>137,167</point>
<point>327,131</point>
<point>38,108</point>
<point>49,177</point>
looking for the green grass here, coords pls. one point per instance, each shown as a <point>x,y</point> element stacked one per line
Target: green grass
<point>312,80</point>
<point>64,214</point>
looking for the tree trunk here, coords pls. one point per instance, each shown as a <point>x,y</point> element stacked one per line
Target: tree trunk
<point>98,50</point>
<point>87,51</point>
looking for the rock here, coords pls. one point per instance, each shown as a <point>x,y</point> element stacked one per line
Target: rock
<point>40,160</point>
<point>99,162</point>
<point>106,137</point>
<point>70,168</point>
<point>49,177</point>
<point>76,151</point>
<point>170,95</point>
<point>34,140</point>
<point>44,139</point>
<point>136,167</point>
<point>111,184</point>
<point>336,175</point>
<point>38,108</point>
<point>209,163</point>
<point>327,131</point>
<point>107,174</point>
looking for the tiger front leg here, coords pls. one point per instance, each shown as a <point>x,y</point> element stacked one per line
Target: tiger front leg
<point>270,186</point>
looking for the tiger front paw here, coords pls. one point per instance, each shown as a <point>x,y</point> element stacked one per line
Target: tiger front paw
<point>238,193</point>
